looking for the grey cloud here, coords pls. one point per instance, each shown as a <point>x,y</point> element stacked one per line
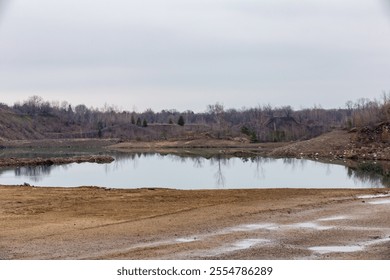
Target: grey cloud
<point>154,47</point>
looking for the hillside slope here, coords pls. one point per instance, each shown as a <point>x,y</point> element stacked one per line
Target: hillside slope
<point>341,144</point>
<point>13,126</point>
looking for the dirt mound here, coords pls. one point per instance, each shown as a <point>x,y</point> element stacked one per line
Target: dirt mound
<point>332,144</point>
<point>379,133</point>
<point>365,144</point>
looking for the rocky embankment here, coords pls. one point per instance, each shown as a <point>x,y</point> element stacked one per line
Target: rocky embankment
<point>52,161</point>
<point>364,144</point>
<point>367,143</point>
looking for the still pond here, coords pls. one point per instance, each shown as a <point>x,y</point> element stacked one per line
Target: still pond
<point>151,170</point>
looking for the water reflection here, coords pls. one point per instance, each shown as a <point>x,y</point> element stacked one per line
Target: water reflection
<point>167,170</point>
<point>35,173</point>
<point>219,162</point>
<point>371,173</point>
<point>198,162</point>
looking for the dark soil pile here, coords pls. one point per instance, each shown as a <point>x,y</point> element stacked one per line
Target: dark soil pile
<point>52,161</point>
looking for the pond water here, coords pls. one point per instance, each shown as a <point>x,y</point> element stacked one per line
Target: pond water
<point>172,171</point>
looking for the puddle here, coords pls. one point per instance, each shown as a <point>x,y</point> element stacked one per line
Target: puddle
<point>336,249</point>
<point>247,243</point>
<point>374,196</point>
<point>310,225</point>
<point>236,246</point>
<point>377,241</point>
<point>250,227</point>
<point>244,227</point>
<point>187,240</point>
<point>231,247</point>
<point>386,201</point>
<point>253,227</point>
<point>348,248</point>
<point>333,218</point>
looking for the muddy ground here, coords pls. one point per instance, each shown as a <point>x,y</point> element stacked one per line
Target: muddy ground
<point>96,223</point>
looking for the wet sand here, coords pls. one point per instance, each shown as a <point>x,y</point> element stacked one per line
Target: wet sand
<point>96,223</point>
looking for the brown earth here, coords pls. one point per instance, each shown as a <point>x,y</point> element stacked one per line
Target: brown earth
<point>84,143</point>
<point>55,160</point>
<point>203,147</point>
<point>95,223</point>
<point>337,144</point>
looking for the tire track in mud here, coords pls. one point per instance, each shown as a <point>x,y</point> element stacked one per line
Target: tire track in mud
<point>150,217</point>
<point>167,224</point>
<point>249,238</point>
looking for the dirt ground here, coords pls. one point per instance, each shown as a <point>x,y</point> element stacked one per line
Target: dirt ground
<point>54,161</point>
<point>337,144</point>
<point>96,223</point>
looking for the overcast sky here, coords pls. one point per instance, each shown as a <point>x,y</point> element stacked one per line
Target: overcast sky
<point>187,54</point>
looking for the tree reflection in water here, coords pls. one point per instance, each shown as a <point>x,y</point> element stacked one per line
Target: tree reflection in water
<point>219,161</point>
<point>364,174</point>
<point>35,173</point>
<point>371,172</point>
<point>198,162</point>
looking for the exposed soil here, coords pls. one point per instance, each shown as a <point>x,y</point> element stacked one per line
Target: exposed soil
<point>201,147</point>
<point>53,160</point>
<point>95,223</point>
<point>85,143</point>
<point>338,144</point>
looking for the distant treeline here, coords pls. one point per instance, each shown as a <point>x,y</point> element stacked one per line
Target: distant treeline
<point>36,118</point>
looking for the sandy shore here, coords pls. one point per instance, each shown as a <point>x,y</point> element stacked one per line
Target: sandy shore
<point>95,223</point>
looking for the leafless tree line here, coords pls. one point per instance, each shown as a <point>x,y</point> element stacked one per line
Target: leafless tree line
<point>38,118</point>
